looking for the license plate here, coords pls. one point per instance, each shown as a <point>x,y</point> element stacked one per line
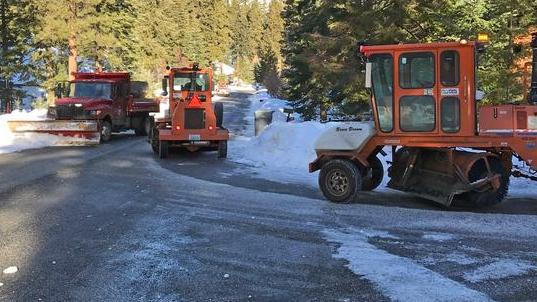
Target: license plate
<point>194,137</point>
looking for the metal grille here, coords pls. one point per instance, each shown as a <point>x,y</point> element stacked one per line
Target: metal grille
<point>195,119</point>
<point>70,112</point>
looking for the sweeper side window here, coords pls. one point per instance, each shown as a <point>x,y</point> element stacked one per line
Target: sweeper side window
<point>90,90</point>
<point>382,81</point>
<point>183,82</point>
<point>416,70</point>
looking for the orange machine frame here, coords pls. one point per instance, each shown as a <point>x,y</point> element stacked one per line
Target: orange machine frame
<point>523,144</point>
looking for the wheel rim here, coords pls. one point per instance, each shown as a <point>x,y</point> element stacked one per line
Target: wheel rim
<point>337,183</point>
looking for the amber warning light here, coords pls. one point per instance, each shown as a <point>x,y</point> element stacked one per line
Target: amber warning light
<point>483,38</point>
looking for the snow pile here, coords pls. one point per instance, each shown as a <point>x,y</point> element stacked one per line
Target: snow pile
<point>262,100</point>
<point>9,142</point>
<point>283,151</point>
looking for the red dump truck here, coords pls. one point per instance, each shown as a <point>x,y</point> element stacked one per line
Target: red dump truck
<point>92,106</point>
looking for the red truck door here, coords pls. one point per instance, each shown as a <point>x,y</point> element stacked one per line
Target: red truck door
<point>120,105</point>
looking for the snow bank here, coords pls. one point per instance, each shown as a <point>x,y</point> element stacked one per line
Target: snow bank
<point>282,152</point>
<point>9,142</point>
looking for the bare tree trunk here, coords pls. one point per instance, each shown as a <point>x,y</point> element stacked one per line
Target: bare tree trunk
<point>73,54</point>
<point>73,46</point>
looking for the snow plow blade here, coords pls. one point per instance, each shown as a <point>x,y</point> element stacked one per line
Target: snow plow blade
<point>69,132</point>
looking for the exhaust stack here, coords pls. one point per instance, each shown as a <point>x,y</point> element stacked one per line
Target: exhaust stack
<point>532,96</point>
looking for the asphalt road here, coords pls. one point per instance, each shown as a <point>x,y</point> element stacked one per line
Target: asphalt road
<point>113,223</point>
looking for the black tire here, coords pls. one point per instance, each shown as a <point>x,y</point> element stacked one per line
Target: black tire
<point>219,113</point>
<point>143,127</point>
<point>148,124</point>
<point>153,140</point>
<point>222,149</point>
<point>106,131</point>
<point>377,174</point>
<point>490,197</point>
<point>340,181</point>
<point>163,149</point>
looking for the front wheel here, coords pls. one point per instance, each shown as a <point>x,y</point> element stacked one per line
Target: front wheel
<point>154,139</point>
<point>106,131</point>
<point>222,149</point>
<point>340,181</point>
<point>219,113</point>
<point>163,149</point>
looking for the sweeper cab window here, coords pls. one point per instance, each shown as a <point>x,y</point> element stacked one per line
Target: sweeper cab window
<point>183,82</point>
<point>382,86</point>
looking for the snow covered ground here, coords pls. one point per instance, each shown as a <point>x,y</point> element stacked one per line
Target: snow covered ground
<point>284,150</point>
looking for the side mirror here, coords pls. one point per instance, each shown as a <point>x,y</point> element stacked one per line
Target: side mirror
<point>58,91</point>
<point>165,86</point>
<point>368,75</point>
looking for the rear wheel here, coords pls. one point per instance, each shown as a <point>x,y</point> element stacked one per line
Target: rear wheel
<point>492,196</point>
<point>222,149</point>
<point>372,180</point>
<point>106,131</point>
<point>340,180</point>
<point>163,149</point>
<point>219,112</point>
<point>144,127</point>
<point>153,139</point>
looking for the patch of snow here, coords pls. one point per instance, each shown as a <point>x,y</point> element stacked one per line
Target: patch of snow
<point>460,258</point>
<point>1,284</point>
<point>390,273</point>
<point>438,237</point>
<point>11,270</point>
<point>242,88</point>
<point>379,234</point>
<point>500,269</point>
<point>454,257</point>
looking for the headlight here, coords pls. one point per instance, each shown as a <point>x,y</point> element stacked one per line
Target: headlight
<point>94,112</point>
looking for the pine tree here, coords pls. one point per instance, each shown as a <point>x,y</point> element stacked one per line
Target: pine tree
<point>17,21</point>
<point>273,31</point>
<point>216,30</point>
<point>255,23</point>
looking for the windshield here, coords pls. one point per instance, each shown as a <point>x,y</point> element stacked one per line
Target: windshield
<point>90,90</point>
<point>182,82</point>
<point>382,78</point>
